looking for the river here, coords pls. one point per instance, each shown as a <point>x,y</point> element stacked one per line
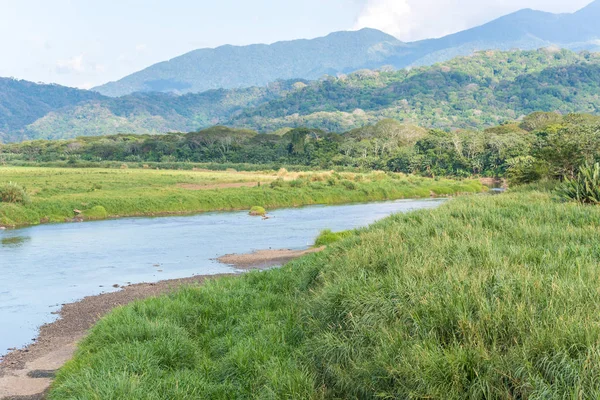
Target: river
<point>44,266</point>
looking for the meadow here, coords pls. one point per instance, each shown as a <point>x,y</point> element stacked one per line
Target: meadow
<point>66,194</point>
<point>491,297</point>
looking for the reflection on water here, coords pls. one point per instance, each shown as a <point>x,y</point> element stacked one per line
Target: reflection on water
<point>15,241</point>
<point>44,266</point>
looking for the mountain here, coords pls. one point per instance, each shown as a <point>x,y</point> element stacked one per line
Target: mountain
<point>23,102</point>
<point>343,52</point>
<point>257,65</point>
<point>91,114</point>
<point>481,90</point>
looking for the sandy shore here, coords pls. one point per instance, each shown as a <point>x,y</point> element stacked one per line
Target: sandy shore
<point>26,374</point>
<point>263,259</point>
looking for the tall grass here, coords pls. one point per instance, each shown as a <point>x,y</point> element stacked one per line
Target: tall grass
<point>491,297</point>
<point>56,192</point>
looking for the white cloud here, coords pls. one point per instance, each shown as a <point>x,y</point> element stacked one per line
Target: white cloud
<point>420,19</point>
<point>74,64</point>
<point>387,15</point>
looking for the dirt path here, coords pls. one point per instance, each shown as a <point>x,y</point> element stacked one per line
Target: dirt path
<point>265,258</point>
<point>26,374</point>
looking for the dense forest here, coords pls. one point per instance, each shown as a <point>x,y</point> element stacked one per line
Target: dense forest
<point>475,92</point>
<point>541,144</point>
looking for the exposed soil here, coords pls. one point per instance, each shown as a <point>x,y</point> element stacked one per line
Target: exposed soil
<point>193,186</point>
<point>263,259</point>
<point>27,373</point>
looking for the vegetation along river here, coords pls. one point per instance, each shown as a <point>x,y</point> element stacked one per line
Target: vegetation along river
<point>45,266</point>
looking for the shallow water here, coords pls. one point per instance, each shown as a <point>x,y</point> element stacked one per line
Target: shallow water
<point>45,266</point>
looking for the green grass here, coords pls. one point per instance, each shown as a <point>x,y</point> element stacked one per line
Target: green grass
<point>487,297</point>
<point>56,192</point>
<point>328,237</point>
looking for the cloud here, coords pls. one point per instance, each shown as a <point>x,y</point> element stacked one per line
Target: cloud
<point>387,15</point>
<point>420,19</point>
<point>74,64</point>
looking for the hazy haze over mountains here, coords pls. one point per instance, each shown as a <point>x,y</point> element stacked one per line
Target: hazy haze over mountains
<point>343,52</point>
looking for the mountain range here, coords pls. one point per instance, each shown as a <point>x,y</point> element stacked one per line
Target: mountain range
<point>338,82</point>
<point>343,52</point>
<point>477,91</point>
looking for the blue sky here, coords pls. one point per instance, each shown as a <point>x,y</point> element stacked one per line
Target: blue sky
<point>85,43</point>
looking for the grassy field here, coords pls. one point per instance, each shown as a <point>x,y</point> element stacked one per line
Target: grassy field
<point>99,193</point>
<point>486,297</point>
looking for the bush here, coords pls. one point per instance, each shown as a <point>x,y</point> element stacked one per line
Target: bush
<point>585,188</point>
<point>297,183</point>
<point>258,211</point>
<point>328,237</point>
<point>97,212</point>
<point>349,185</point>
<point>13,193</point>
<point>276,183</point>
<point>525,169</point>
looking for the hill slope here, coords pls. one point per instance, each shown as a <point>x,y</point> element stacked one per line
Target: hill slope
<point>22,102</point>
<point>257,65</point>
<point>467,92</point>
<point>343,52</point>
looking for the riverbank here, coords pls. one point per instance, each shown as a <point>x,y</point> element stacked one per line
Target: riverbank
<point>486,296</point>
<point>68,195</point>
<point>29,371</point>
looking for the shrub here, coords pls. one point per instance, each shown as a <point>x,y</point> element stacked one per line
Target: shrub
<point>525,169</point>
<point>97,212</point>
<point>585,188</point>
<point>276,183</point>
<point>258,211</point>
<point>349,184</point>
<point>297,183</point>
<point>13,193</point>
<point>328,237</point>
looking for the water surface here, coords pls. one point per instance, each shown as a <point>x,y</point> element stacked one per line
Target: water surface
<point>45,266</point>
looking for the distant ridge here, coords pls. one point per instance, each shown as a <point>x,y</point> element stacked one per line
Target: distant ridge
<point>257,65</point>
<point>342,52</point>
<point>476,91</point>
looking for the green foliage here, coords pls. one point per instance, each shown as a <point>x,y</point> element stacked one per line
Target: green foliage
<point>96,212</point>
<point>479,91</point>
<point>258,211</point>
<point>585,188</point>
<point>553,149</point>
<point>486,297</point>
<point>525,169</point>
<point>12,192</point>
<point>328,237</point>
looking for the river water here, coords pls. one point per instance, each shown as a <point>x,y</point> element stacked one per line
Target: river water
<point>45,266</point>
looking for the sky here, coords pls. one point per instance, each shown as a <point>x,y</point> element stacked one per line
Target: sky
<point>85,43</point>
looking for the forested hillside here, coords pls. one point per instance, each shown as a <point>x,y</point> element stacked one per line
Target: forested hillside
<point>479,91</point>
<point>22,103</point>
